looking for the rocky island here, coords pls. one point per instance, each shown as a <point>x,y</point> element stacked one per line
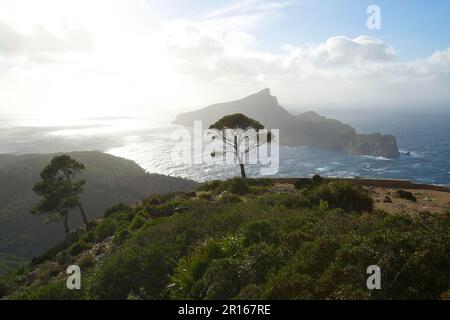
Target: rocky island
<point>306,129</point>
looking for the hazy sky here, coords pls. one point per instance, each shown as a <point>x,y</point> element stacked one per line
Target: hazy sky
<point>83,58</point>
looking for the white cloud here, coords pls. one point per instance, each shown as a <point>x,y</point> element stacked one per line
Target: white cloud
<point>40,45</point>
<point>253,7</point>
<point>131,59</point>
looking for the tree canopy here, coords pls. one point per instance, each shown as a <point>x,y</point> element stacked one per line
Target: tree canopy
<point>59,191</point>
<point>240,135</point>
<point>237,121</point>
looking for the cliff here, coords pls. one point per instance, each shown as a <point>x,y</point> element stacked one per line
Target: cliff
<point>308,129</point>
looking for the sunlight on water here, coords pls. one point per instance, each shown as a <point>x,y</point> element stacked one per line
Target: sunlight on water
<point>425,157</point>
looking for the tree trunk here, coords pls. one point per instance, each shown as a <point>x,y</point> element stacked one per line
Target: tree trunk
<point>66,224</point>
<point>83,214</point>
<point>243,170</point>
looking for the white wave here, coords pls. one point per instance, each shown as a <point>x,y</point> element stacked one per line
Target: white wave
<point>377,158</point>
<point>410,153</point>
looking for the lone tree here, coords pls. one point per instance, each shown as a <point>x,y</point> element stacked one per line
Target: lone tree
<point>59,191</point>
<point>240,135</point>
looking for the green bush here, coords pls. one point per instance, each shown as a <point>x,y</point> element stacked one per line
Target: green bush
<point>137,222</point>
<point>162,210</point>
<point>56,290</point>
<point>300,184</point>
<point>286,200</point>
<point>121,236</point>
<point>4,290</point>
<point>86,262</point>
<point>238,186</point>
<point>118,208</point>
<point>258,231</point>
<point>229,199</point>
<point>130,269</point>
<point>188,281</point>
<point>105,229</point>
<point>62,257</point>
<point>345,196</point>
<point>407,195</point>
<point>209,186</point>
<point>316,179</point>
<point>78,248</point>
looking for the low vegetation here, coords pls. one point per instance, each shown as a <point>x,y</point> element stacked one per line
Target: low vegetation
<point>109,180</point>
<point>242,239</point>
<point>407,195</point>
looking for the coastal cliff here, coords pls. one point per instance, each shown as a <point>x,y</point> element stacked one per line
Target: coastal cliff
<point>307,129</point>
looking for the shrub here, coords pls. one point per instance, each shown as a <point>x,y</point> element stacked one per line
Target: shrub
<point>56,290</point>
<point>121,207</point>
<point>238,186</point>
<point>387,199</point>
<point>222,280</point>
<point>345,196</point>
<point>302,184</point>
<point>163,210</point>
<point>205,196</point>
<point>285,200</point>
<point>137,222</point>
<point>78,248</point>
<point>130,269</point>
<point>257,231</point>
<point>86,262</point>
<point>188,281</point>
<point>121,236</point>
<point>3,289</point>
<point>407,195</point>
<point>62,257</point>
<point>229,199</point>
<point>317,179</point>
<point>210,185</point>
<point>260,182</point>
<point>105,229</point>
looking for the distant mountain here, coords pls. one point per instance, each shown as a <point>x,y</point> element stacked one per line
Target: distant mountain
<point>308,129</point>
<point>109,180</point>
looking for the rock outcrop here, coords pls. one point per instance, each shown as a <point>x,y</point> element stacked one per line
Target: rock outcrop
<point>309,129</point>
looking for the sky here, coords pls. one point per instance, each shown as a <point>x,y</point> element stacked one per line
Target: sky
<point>103,58</point>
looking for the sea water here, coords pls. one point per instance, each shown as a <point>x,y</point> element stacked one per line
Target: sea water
<point>424,142</point>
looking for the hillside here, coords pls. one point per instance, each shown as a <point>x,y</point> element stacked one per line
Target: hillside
<point>109,179</point>
<point>308,128</point>
<point>249,239</point>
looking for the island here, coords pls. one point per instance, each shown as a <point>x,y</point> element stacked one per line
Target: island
<point>306,129</point>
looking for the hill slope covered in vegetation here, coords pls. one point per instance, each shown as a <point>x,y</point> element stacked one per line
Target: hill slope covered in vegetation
<point>248,240</point>
<point>109,180</point>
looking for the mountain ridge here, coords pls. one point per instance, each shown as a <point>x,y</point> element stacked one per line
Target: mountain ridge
<point>309,128</point>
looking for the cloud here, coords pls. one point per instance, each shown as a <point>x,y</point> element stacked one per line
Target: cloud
<point>41,45</point>
<point>339,51</point>
<point>339,70</point>
<point>133,59</point>
<point>249,6</point>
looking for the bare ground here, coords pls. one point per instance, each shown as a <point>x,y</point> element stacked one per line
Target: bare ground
<point>427,200</point>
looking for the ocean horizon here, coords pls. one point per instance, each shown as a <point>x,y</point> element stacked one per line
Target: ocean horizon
<point>423,140</point>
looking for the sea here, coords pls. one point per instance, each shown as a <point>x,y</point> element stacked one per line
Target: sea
<point>423,140</point>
